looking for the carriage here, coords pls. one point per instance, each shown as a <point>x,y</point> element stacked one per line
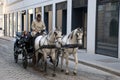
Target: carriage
<point>24,46</point>
<point>52,45</point>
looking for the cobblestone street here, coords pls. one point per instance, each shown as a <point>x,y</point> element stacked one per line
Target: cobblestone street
<point>9,70</point>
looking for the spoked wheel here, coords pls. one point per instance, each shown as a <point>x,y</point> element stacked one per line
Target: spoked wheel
<point>24,58</point>
<point>15,55</point>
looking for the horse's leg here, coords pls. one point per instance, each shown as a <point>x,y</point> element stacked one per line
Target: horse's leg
<point>54,57</point>
<point>76,63</point>
<point>34,59</point>
<point>36,55</point>
<point>45,61</point>
<point>62,59</point>
<point>39,57</point>
<point>67,70</point>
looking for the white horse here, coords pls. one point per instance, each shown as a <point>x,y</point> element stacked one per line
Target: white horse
<point>75,37</point>
<point>53,38</point>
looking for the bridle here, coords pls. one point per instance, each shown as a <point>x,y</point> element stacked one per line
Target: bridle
<point>78,38</point>
<point>56,39</point>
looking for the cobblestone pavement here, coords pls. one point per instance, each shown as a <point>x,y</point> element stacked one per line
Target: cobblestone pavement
<point>9,70</point>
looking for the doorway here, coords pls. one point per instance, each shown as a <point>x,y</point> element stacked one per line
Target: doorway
<point>79,19</point>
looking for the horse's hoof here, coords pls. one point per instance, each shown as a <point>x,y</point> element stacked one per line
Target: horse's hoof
<point>67,73</point>
<point>62,70</point>
<point>53,74</point>
<point>74,73</point>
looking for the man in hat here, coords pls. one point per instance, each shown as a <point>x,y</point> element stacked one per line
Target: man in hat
<point>38,26</point>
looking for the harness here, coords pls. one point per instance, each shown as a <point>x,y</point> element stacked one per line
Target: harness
<point>49,41</point>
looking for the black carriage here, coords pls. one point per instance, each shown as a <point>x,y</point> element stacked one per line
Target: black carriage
<point>23,46</point>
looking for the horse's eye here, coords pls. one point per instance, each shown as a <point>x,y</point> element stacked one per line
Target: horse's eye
<point>55,33</point>
<point>77,35</point>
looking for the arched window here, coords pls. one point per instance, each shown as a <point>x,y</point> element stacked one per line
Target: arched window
<point>113,28</point>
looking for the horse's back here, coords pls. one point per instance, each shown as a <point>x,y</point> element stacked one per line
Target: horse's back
<point>37,41</point>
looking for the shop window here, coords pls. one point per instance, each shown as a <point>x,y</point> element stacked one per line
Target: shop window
<point>107,28</point>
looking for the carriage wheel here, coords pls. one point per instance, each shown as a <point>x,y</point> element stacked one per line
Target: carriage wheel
<point>15,55</point>
<point>24,58</point>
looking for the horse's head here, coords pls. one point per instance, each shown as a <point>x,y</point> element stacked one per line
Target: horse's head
<point>55,37</point>
<point>78,33</point>
<point>58,36</point>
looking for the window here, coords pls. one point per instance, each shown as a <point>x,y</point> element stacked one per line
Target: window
<point>107,28</point>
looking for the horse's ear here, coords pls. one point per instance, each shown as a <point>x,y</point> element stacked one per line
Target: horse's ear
<point>80,29</point>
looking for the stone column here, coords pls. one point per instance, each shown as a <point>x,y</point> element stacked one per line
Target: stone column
<point>42,13</point>
<point>34,14</point>
<point>54,16</point>
<point>69,16</point>
<point>91,26</point>
<point>21,20</point>
<point>27,20</point>
<point>16,21</point>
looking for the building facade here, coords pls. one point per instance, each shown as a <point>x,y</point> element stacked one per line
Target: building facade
<point>99,20</point>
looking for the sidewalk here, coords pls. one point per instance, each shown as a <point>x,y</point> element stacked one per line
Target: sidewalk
<point>105,63</point>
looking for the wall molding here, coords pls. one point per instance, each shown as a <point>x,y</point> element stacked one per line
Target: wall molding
<point>12,3</point>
